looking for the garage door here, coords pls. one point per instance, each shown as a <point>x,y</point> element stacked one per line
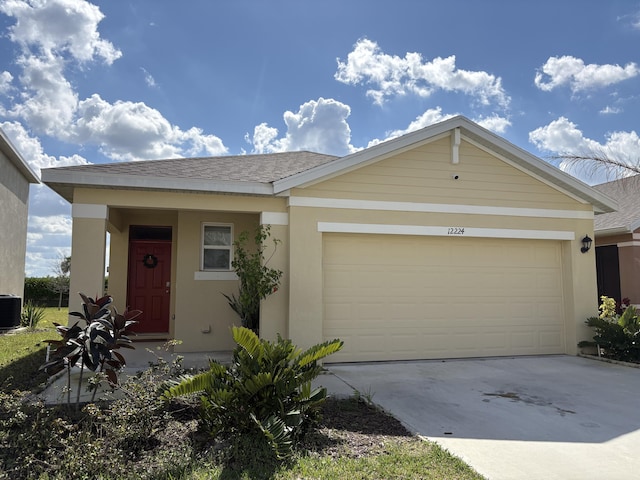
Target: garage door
<point>408,297</point>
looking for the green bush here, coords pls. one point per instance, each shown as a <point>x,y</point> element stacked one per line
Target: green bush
<point>264,394</point>
<point>617,335</point>
<point>257,279</point>
<point>93,345</point>
<point>122,439</point>
<point>31,314</point>
<point>43,291</point>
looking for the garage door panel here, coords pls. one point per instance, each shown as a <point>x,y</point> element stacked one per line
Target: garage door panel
<point>396,298</point>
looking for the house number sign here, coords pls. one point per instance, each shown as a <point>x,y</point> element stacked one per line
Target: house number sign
<point>455,231</point>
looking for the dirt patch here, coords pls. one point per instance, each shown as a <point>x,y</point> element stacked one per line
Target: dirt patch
<point>353,428</point>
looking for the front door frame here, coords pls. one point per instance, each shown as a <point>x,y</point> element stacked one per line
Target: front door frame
<point>160,305</point>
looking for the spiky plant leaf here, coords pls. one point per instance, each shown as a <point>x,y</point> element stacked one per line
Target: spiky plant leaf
<point>277,434</point>
<point>320,351</point>
<point>247,340</point>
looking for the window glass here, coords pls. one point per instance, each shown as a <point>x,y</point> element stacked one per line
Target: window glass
<point>216,247</point>
<point>216,259</point>
<point>217,235</point>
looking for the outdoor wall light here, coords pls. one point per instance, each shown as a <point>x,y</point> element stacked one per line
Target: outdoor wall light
<point>586,244</point>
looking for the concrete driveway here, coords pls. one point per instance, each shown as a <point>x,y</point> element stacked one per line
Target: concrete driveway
<point>552,417</point>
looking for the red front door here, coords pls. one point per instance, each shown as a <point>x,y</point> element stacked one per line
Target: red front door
<point>149,287</point>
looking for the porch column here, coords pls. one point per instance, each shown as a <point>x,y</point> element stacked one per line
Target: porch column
<point>274,309</point>
<point>88,246</point>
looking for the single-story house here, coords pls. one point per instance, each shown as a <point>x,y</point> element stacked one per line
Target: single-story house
<point>15,179</point>
<point>445,242</point>
<point>617,240</point>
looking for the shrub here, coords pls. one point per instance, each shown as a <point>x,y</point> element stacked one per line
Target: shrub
<point>617,335</point>
<point>257,280</point>
<point>43,291</point>
<point>265,393</point>
<point>31,314</point>
<point>93,345</point>
<point>127,438</point>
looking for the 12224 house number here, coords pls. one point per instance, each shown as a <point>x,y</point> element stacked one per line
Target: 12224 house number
<point>455,231</point>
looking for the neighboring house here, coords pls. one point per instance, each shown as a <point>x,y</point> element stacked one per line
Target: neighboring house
<point>15,179</point>
<point>617,240</point>
<point>445,242</point>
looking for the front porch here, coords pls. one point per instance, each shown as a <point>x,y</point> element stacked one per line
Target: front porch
<point>186,292</point>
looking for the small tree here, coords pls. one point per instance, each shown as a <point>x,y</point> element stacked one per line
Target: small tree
<point>257,280</point>
<point>60,283</point>
<point>93,345</point>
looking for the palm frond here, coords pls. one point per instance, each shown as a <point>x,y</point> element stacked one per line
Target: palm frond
<point>320,351</point>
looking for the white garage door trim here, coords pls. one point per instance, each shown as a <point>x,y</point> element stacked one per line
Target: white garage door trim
<point>440,231</point>
<point>410,297</point>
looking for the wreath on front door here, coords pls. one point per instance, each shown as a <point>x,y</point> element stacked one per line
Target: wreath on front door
<point>150,261</point>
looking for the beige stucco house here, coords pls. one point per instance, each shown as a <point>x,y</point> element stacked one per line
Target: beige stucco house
<point>617,239</point>
<point>445,242</point>
<point>15,178</point>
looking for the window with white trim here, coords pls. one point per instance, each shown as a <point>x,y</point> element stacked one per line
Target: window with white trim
<point>217,247</point>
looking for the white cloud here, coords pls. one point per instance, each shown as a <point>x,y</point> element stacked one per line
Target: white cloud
<point>31,149</point>
<point>47,237</point>
<point>48,99</point>
<point>59,26</point>
<point>148,78</point>
<point>608,110</point>
<point>134,131</point>
<point>563,137</point>
<point>53,224</point>
<point>319,126</point>
<point>5,82</point>
<point>568,70</point>
<point>434,115</point>
<point>632,19</point>
<point>53,35</point>
<point>494,122</point>
<point>431,116</point>
<point>390,75</point>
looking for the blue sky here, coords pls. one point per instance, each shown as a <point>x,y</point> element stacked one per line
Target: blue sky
<point>125,80</point>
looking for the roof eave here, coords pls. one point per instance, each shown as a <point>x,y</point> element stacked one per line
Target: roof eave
<point>14,156</point>
<point>607,232</point>
<point>63,183</point>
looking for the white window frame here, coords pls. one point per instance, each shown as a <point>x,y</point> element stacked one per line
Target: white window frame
<point>204,247</point>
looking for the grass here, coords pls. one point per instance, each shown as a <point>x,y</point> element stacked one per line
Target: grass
<point>21,354</point>
<point>167,452</point>
<point>416,459</point>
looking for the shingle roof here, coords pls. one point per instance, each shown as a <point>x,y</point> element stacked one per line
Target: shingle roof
<point>248,174</point>
<point>264,168</point>
<point>626,192</point>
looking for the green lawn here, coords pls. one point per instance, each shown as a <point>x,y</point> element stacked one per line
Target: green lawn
<point>21,354</point>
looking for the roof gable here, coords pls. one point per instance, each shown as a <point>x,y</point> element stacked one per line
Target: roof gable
<point>455,128</point>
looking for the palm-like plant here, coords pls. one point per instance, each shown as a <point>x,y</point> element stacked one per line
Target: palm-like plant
<point>266,390</point>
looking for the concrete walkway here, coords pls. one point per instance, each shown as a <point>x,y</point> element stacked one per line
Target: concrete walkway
<point>146,353</point>
<point>551,418</point>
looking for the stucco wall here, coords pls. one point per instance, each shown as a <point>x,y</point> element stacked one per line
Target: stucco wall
<point>425,176</point>
<point>14,202</point>
<point>200,315</point>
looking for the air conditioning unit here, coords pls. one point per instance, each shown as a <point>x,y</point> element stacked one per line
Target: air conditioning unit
<point>10,308</point>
